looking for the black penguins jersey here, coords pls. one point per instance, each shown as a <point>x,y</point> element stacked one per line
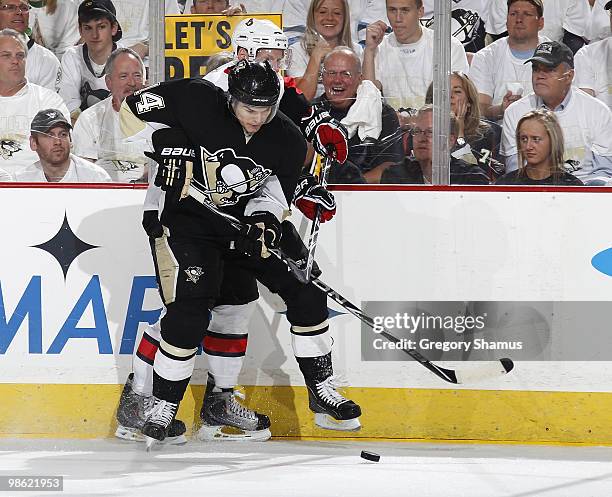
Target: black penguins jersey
<point>239,174</point>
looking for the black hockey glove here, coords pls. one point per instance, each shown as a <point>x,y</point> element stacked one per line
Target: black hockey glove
<point>292,245</point>
<point>327,135</point>
<point>151,224</point>
<point>175,157</point>
<point>261,231</point>
<point>309,195</point>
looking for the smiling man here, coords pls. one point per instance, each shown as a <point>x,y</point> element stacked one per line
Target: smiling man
<point>586,121</point>
<point>341,79</point>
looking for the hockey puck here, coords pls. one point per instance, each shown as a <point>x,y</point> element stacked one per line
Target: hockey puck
<point>370,456</point>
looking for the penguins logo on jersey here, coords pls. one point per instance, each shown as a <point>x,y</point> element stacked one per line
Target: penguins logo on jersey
<point>229,177</point>
<point>8,148</point>
<point>89,96</point>
<point>464,24</point>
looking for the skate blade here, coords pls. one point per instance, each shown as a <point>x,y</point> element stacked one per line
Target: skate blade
<point>208,433</point>
<point>135,435</point>
<point>326,422</point>
<point>149,443</point>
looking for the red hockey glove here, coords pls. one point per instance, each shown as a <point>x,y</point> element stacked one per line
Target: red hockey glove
<point>309,194</point>
<point>327,135</point>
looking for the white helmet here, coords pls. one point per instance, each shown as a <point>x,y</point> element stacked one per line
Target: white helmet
<point>253,34</point>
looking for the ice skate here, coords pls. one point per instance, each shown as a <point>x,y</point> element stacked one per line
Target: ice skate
<point>332,410</point>
<point>157,424</point>
<point>131,415</point>
<point>225,419</point>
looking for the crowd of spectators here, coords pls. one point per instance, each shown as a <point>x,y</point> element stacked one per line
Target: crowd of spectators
<point>530,88</point>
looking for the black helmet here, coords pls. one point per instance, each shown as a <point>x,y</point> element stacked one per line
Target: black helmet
<point>254,83</point>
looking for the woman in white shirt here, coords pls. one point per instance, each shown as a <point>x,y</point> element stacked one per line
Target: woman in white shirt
<point>327,26</point>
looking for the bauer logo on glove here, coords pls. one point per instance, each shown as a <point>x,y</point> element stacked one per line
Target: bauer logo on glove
<point>327,135</point>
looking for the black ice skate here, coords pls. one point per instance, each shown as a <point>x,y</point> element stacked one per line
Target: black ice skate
<point>159,418</point>
<point>131,415</point>
<point>332,410</point>
<point>225,419</point>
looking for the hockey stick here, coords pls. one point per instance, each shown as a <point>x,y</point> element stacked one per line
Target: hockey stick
<point>316,223</point>
<point>480,372</point>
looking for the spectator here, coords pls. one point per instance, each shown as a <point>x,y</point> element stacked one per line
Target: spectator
<point>54,25</point>
<point>50,139</point>
<point>468,19</point>
<point>214,7</point>
<point>42,68</point>
<point>133,16</point>
<point>373,125</point>
<point>83,83</point>
<point>418,170</point>
<point>540,152</point>
<point>327,27</point>
<point>498,70</point>
<point>586,121</point>
<point>217,60</point>
<point>400,63</point>
<point>20,100</point>
<point>97,133</point>
<point>594,66</point>
<point>477,139</point>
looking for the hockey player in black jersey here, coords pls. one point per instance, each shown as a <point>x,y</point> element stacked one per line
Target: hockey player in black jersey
<point>198,243</point>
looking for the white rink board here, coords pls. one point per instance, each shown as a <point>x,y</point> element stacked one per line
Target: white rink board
<point>381,246</point>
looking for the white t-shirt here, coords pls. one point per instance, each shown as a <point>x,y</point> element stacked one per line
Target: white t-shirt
<point>79,171</point>
<point>42,67</point>
<point>133,16</point>
<point>598,22</point>
<point>83,83</point>
<point>593,64</point>
<point>97,135</point>
<point>571,15</point>
<point>299,62</point>
<point>586,123</point>
<point>5,176</point>
<point>495,66</point>
<point>406,70</point>
<point>58,31</point>
<point>468,18</point>
<point>16,114</point>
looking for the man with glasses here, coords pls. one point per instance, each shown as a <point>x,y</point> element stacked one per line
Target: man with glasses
<point>586,121</point>
<point>341,79</point>
<point>50,139</point>
<point>418,170</point>
<point>43,67</point>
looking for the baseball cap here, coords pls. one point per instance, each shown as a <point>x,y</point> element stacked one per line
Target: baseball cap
<point>46,119</point>
<point>608,6</point>
<point>552,53</point>
<point>104,7</point>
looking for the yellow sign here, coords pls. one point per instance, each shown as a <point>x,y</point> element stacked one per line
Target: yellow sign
<point>190,40</point>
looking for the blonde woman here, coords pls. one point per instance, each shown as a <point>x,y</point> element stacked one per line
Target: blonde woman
<point>327,26</point>
<point>540,147</point>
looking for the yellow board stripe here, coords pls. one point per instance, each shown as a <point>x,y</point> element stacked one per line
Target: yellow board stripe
<point>88,411</point>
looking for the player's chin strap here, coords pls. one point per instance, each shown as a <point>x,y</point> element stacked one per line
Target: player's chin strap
<point>316,223</point>
<point>480,372</point>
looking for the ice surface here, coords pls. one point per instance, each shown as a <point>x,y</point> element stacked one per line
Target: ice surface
<point>310,469</point>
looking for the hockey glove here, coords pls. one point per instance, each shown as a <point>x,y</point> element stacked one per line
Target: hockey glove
<point>175,157</point>
<point>327,135</point>
<point>261,231</point>
<point>309,195</point>
<point>151,224</point>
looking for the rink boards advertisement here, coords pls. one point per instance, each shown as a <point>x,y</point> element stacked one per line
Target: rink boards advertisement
<point>467,276</point>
